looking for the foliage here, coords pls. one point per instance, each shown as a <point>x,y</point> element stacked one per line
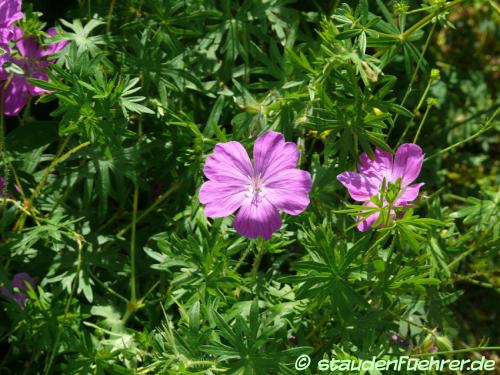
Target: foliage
<point>103,174</point>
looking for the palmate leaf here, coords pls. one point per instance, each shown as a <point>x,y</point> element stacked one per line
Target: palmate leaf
<point>81,35</point>
<point>246,351</point>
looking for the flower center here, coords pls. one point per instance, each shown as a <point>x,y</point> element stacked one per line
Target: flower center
<point>256,190</point>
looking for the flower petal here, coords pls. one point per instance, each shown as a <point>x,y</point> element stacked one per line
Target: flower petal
<point>379,167</point>
<point>409,194</point>
<point>271,154</point>
<point>360,186</point>
<point>30,48</point>
<point>15,97</point>
<point>34,90</point>
<point>20,279</point>
<point>221,199</point>
<point>10,11</point>
<point>6,35</point>
<point>257,219</point>
<point>20,298</point>
<point>228,163</point>
<point>288,190</point>
<point>52,48</point>
<point>365,223</point>
<point>407,163</point>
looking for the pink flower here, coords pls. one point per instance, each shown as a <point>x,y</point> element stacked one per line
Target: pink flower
<point>10,12</point>
<point>385,179</point>
<point>20,283</point>
<point>257,191</point>
<point>34,63</point>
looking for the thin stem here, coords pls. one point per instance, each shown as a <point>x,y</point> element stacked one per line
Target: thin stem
<point>424,21</point>
<point>52,165</point>
<point>146,212</point>
<point>17,180</point>
<point>150,290</point>
<point>110,15</point>
<point>377,242</point>
<point>132,305</point>
<point>243,256</point>
<point>415,111</point>
<point>15,203</point>
<point>483,129</point>
<point>258,259</point>
<point>55,348</point>
<point>467,350</point>
<point>414,76</point>
<point>57,160</point>
<point>2,139</point>
<point>133,297</point>
<point>475,282</point>
<point>422,123</point>
<point>107,288</point>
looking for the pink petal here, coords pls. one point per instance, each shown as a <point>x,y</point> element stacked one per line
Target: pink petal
<point>34,90</point>
<point>379,167</point>
<point>229,163</point>
<point>30,48</point>
<point>273,154</point>
<point>407,163</point>
<point>20,298</point>
<point>410,194</point>
<point>10,11</point>
<point>18,33</point>
<point>360,186</point>
<point>6,35</point>
<point>365,223</point>
<point>288,190</point>
<point>16,96</point>
<point>257,219</point>
<point>52,48</point>
<point>222,199</point>
<point>20,279</point>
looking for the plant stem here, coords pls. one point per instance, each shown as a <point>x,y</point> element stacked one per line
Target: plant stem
<point>376,243</point>
<point>243,256</point>
<point>146,212</point>
<point>415,111</point>
<point>422,123</point>
<point>133,292</point>
<point>3,153</point>
<point>467,350</point>
<point>55,348</point>
<point>483,129</point>
<point>133,296</point>
<point>424,21</point>
<point>110,15</point>
<point>57,160</point>
<point>52,165</point>
<point>258,259</point>
<point>108,289</point>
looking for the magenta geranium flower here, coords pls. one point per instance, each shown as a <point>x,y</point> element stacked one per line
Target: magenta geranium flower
<point>20,284</point>
<point>256,191</point>
<point>10,12</point>
<point>34,63</point>
<point>385,180</point>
